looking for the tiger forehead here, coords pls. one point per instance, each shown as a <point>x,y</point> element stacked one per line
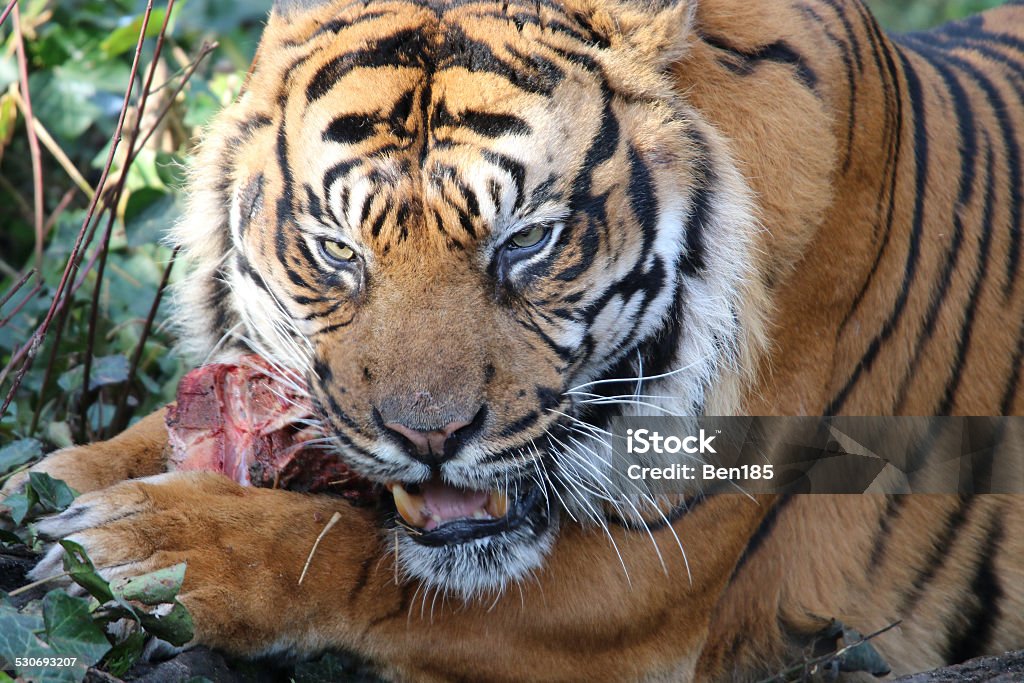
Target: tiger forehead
<point>413,114</point>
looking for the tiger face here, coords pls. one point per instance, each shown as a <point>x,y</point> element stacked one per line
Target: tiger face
<point>480,230</point>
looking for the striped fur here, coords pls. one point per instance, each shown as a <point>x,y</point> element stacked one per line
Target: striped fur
<point>757,207</point>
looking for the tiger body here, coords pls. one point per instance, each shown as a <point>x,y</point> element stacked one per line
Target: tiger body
<point>770,208</point>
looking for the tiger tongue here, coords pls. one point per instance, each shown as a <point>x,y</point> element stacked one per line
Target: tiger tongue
<point>443,503</point>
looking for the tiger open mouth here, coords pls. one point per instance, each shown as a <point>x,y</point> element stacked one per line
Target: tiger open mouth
<point>436,513</point>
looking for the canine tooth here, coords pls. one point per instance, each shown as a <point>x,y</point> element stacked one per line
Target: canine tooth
<point>410,507</point>
<point>497,504</point>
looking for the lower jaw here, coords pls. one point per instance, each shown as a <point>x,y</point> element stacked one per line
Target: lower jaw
<point>483,567</point>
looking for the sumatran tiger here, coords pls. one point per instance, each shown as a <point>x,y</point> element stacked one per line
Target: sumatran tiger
<point>476,226</point>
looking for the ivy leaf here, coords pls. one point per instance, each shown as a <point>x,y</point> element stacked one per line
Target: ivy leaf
<point>18,453</point>
<point>18,638</point>
<point>105,370</point>
<point>18,504</point>
<point>82,571</point>
<point>125,654</point>
<point>71,630</point>
<point>173,625</point>
<point>154,588</point>
<point>52,494</point>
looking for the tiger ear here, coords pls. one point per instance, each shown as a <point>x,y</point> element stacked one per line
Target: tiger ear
<point>286,7</point>
<point>655,31</point>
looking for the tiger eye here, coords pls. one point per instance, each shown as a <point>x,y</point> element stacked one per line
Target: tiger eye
<point>530,237</point>
<point>338,251</point>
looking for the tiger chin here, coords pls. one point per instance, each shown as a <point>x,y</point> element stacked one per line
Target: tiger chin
<point>483,230</point>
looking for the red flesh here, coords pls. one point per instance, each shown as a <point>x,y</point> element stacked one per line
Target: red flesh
<point>241,421</point>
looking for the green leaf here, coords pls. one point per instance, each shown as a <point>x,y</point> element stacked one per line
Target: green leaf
<point>63,102</point>
<point>171,168</point>
<point>53,494</point>
<point>328,668</point>
<point>126,37</point>
<point>18,638</point>
<point>108,370</point>
<point>18,453</point>
<point>105,370</point>
<point>148,215</point>
<point>154,588</point>
<point>125,654</point>
<point>19,504</point>
<point>71,630</point>
<point>82,571</point>
<point>59,434</point>
<point>174,626</point>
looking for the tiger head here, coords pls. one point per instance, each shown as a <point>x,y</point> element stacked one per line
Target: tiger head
<point>481,230</point>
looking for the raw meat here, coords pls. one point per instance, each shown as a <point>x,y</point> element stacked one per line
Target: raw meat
<point>250,422</point>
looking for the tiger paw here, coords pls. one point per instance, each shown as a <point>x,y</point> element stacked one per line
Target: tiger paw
<point>244,551</point>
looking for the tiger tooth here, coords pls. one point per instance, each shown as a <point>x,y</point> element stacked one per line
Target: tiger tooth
<point>497,504</point>
<point>410,507</point>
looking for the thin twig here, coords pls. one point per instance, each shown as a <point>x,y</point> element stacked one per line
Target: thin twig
<point>7,10</point>
<point>35,584</point>
<point>54,148</point>
<point>120,420</point>
<point>829,656</point>
<point>17,285</point>
<point>330,524</point>
<point>17,309</point>
<point>104,246</point>
<point>27,353</point>
<point>204,50</point>
<point>33,141</point>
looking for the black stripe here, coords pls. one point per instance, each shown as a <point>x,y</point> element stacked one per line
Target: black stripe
<point>893,505</point>
<point>966,126</point>
<point>779,52</point>
<point>404,48</point>
<point>763,531</point>
<point>892,140</point>
<point>937,554</point>
<point>921,160</point>
<point>980,271</point>
<point>974,623</point>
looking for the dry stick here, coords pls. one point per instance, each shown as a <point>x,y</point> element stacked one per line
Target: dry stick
<point>120,420</point>
<point>33,141</point>
<point>61,206</point>
<point>334,520</point>
<point>51,145</point>
<point>27,353</point>
<point>829,656</point>
<point>17,309</point>
<point>17,285</point>
<point>7,10</point>
<point>104,246</point>
<point>205,50</point>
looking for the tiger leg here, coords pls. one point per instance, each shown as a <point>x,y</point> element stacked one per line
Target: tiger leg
<point>250,592</point>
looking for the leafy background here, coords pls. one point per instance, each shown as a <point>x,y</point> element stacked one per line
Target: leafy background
<point>78,58</point>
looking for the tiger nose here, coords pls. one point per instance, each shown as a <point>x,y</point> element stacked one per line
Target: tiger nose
<point>428,445</point>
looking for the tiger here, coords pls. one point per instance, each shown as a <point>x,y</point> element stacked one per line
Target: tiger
<point>481,230</point>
